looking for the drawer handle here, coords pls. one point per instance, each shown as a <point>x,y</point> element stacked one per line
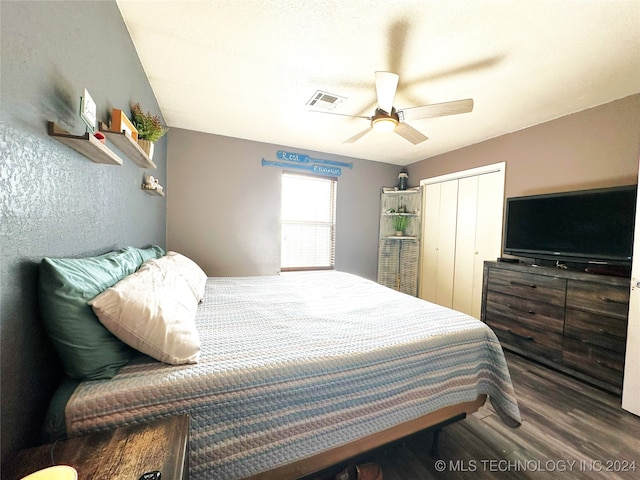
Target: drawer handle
<point>603,331</point>
<point>521,284</point>
<point>605,364</point>
<point>511,307</point>
<point>611,300</point>
<point>524,337</point>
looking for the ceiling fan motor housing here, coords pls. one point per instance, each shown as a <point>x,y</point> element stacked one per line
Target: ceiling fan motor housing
<point>383,121</point>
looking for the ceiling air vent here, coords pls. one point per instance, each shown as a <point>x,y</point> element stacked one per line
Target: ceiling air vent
<point>324,100</point>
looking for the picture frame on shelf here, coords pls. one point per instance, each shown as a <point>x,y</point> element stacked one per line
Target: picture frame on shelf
<point>88,110</point>
<point>121,123</point>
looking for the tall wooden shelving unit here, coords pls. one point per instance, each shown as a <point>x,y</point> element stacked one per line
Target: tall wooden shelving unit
<point>398,255</point>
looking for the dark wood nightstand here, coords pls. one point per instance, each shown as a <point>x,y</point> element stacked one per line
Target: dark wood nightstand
<point>121,454</point>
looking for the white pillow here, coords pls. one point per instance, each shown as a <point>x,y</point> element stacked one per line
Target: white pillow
<point>195,276</point>
<point>153,311</point>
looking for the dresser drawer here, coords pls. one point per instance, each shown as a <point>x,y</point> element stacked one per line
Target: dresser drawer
<point>528,285</point>
<point>534,341</point>
<point>597,362</point>
<point>530,313</point>
<point>572,320</point>
<point>600,330</point>
<point>601,299</point>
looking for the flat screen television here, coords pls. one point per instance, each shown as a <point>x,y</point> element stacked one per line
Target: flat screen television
<point>587,226</point>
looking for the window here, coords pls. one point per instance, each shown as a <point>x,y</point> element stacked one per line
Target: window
<point>308,222</point>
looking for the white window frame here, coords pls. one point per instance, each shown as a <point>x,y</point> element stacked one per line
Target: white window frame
<point>299,235</point>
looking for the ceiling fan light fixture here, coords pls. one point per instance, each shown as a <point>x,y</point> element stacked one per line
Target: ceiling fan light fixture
<point>383,121</point>
<point>384,124</point>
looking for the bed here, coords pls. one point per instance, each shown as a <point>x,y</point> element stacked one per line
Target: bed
<point>299,371</point>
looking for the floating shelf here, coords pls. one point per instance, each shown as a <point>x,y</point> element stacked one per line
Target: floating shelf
<point>409,191</point>
<point>153,191</point>
<point>128,146</point>
<point>86,144</point>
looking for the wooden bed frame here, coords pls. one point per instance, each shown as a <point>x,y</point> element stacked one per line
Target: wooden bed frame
<point>321,461</point>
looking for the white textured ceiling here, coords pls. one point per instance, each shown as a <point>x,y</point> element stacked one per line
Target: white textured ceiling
<point>246,68</point>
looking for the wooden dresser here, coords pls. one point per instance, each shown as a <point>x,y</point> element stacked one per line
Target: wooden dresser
<point>571,320</point>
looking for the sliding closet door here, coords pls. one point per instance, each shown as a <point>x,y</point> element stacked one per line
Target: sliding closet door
<point>488,231</point>
<point>465,244</point>
<point>478,237</point>
<point>462,228</point>
<point>430,221</point>
<point>439,248</point>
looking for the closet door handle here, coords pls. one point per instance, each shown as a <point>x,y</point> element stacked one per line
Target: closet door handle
<point>521,284</point>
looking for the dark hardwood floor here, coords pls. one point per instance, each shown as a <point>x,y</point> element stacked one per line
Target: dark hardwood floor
<point>569,430</point>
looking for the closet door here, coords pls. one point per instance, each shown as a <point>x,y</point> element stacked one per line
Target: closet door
<point>465,244</point>
<point>439,247</point>
<point>462,228</point>
<point>488,231</point>
<point>479,235</point>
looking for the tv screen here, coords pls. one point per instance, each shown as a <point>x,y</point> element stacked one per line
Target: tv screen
<point>582,226</point>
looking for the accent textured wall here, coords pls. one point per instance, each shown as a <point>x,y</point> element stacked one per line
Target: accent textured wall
<point>55,202</point>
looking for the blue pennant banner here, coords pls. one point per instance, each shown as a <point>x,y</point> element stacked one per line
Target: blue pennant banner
<point>317,169</point>
<point>300,158</point>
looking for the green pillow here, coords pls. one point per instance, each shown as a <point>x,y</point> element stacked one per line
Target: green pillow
<point>148,253</point>
<point>86,348</point>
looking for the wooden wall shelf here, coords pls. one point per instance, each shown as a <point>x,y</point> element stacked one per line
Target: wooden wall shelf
<point>153,191</point>
<point>86,144</point>
<point>128,146</point>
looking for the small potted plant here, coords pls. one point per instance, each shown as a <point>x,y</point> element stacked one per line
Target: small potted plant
<point>149,128</point>
<point>400,223</point>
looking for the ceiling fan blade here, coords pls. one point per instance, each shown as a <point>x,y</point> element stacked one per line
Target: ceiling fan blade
<point>342,114</point>
<point>436,110</point>
<point>386,86</point>
<point>358,136</point>
<point>407,132</point>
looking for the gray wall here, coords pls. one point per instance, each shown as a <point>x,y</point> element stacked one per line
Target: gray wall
<point>54,201</point>
<point>223,208</point>
<point>599,147</point>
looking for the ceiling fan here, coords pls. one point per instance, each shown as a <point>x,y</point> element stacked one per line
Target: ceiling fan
<point>387,118</point>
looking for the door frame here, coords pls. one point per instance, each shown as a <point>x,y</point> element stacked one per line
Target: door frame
<point>472,172</point>
<point>631,386</point>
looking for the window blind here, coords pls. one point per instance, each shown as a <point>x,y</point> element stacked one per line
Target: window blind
<point>308,222</point>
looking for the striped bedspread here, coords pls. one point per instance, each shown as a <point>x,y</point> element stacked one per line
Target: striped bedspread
<point>296,364</point>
